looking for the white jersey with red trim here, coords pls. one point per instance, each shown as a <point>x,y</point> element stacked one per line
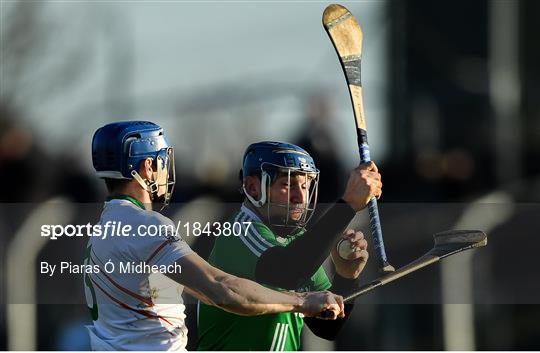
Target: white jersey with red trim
<point>132,308</point>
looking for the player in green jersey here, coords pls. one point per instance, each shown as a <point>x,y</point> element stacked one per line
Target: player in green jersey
<point>280,181</point>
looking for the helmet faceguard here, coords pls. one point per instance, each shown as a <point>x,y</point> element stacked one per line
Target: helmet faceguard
<point>271,160</point>
<point>162,187</point>
<point>279,214</point>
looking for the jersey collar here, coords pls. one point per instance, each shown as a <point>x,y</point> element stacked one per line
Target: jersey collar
<point>250,214</point>
<point>128,198</point>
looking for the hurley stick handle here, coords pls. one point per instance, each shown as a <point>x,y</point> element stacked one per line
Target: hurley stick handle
<point>373,209</point>
<point>346,36</point>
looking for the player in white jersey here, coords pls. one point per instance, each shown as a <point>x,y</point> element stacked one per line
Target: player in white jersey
<point>135,306</point>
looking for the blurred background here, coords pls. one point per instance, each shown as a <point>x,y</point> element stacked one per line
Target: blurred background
<point>451,97</point>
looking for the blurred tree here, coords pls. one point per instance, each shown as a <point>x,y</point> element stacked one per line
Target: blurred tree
<point>37,64</point>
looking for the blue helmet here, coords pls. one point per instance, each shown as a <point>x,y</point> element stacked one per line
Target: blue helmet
<point>280,155</point>
<point>267,160</point>
<point>119,148</point>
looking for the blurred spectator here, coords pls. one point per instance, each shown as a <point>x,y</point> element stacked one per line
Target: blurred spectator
<point>22,163</point>
<point>319,141</point>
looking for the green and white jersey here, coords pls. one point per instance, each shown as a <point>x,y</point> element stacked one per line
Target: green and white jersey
<point>238,255</point>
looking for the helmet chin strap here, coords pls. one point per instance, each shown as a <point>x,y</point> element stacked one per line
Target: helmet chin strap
<point>258,203</point>
<point>151,187</point>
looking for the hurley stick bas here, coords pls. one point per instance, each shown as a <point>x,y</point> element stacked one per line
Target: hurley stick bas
<point>346,36</point>
<point>446,244</point>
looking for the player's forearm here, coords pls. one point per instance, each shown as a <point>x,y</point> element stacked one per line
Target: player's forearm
<point>240,296</point>
<point>288,267</point>
<point>245,297</point>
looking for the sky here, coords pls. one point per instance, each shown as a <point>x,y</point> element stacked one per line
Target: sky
<point>216,75</point>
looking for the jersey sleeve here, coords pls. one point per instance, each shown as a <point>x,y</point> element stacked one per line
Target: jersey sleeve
<point>263,235</point>
<point>294,264</point>
<point>320,281</point>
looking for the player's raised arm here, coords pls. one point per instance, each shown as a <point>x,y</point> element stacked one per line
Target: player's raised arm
<point>245,297</point>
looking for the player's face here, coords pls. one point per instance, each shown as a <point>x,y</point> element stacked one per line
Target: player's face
<point>165,177</point>
<point>162,182</point>
<point>293,191</point>
<point>161,179</point>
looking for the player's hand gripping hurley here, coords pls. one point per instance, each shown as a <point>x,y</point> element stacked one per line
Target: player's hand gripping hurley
<point>346,35</point>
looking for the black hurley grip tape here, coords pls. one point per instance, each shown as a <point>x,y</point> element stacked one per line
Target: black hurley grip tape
<point>362,136</point>
<point>351,65</point>
<point>327,314</point>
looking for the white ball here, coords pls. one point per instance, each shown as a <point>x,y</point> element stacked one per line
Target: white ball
<point>344,249</point>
